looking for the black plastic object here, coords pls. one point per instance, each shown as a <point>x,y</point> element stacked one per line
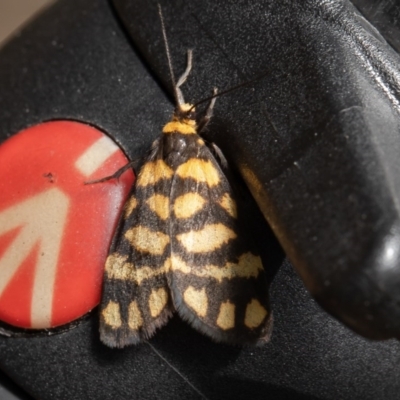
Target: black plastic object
<point>10,391</point>
<point>317,139</point>
<point>301,148</point>
<point>384,16</point>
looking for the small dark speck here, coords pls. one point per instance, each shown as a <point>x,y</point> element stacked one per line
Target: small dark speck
<point>49,176</point>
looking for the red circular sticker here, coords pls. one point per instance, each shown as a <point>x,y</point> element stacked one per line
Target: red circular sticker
<point>55,231</point>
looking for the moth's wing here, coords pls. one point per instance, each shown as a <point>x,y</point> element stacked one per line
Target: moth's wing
<point>217,279</point>
<point>136,298</point>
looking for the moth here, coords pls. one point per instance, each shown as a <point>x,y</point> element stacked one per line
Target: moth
<point>179,246</point>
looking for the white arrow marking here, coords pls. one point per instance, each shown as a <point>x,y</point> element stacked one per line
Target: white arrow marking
<point>95,156</point>
<point>43,219</point>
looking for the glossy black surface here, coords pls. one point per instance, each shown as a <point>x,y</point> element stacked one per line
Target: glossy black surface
<point>317,142</point>
<point>384,16</point>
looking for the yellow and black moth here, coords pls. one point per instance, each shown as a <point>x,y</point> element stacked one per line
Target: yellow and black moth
<point>180,247</point>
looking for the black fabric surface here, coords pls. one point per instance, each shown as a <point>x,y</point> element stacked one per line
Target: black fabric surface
<point>311,356</point>
<point>316,142</point>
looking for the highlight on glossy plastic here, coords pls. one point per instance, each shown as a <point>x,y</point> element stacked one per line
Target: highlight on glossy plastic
<point>55,230</point>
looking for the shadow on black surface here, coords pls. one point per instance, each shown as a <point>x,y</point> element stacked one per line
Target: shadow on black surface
<point>238,389</point>
<point>10,390</point>
<point>201,361</point>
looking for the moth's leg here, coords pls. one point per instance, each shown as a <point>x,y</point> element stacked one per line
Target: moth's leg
<point>219,155</point>
<point>115,175</point>
<point>183,77</point>
<point>207,116</point>
<point>234,181</point>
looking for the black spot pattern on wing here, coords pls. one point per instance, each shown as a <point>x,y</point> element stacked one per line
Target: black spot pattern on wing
<point>217,280</point>
<point>136,299</point>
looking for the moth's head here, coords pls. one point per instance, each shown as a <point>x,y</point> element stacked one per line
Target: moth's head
<point>183,120</point>
<point>185,113</point>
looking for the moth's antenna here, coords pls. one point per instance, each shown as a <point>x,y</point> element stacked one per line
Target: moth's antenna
<point>232,89</point>
<point>171,72</point>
